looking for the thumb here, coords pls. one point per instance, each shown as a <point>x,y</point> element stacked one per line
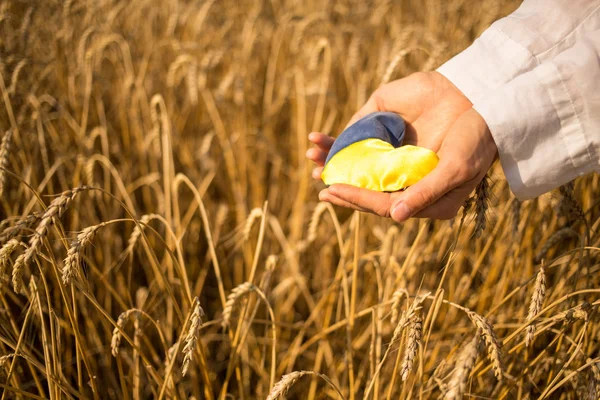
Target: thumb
<point>423,193</point>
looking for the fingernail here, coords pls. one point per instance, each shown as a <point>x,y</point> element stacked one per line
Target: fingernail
<point>401,212</point>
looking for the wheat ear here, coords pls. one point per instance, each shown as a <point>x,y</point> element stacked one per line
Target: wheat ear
<point>237,293</point>
<point>24,223</point>
<point>254,215</point>
<point>396,299</point>
<point>491,340</point>
<point>414,340</point>
<point>4,150</point>
<point>5,253</point>
<point>579,312</point>
<point>557,237</point>
<point>4,359</point>
<point>570,204</point>
<point>535,306</point>
<point>402,323</point>
<point>464,364</point>
<point>137,231</point>
<point>288,380</point>
<point>481,206</point>
<point>55,210</point>
<point>192,336</point>
<point>74,259</point>
<point>121,321</point>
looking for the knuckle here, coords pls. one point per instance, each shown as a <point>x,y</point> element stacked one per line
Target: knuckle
<point>421,78</point>
<point>424,198</point>
<point>378,97</point>
<point>462,172</point>
<point>383,211</point>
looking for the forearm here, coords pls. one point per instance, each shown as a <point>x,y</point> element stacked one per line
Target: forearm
<point>536,32</point>
<point>546,122</point>
<point>534,77</point>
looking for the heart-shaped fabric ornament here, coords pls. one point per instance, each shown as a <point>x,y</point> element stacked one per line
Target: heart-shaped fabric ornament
<point>369,154</point>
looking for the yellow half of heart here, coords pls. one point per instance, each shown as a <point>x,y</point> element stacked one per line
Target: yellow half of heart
<point>376,165</point>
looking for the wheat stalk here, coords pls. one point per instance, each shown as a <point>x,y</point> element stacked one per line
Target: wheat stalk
<point>464,364</point>
<point>314,221</point>
<point>535,306</point>
<point>387,245</point>
<point>192,336</point>
<point>15,76</point>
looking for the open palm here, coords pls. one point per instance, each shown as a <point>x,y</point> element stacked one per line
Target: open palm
<point>438,117</point>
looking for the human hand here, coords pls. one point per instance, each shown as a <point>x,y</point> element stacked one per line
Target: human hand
<point>439,117</point>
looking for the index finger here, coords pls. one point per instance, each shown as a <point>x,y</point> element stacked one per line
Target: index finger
<point>364,199</point>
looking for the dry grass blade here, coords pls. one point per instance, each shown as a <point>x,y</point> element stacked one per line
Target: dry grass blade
<point>191,338</point>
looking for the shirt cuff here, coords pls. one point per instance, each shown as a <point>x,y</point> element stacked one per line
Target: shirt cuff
<point>535,124</point>
<point>491,61</point>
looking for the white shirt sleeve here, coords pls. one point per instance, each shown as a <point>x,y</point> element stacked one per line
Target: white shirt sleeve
<point>534,76</point>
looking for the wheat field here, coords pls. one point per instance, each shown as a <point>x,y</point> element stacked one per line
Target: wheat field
<point>161,237</point>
